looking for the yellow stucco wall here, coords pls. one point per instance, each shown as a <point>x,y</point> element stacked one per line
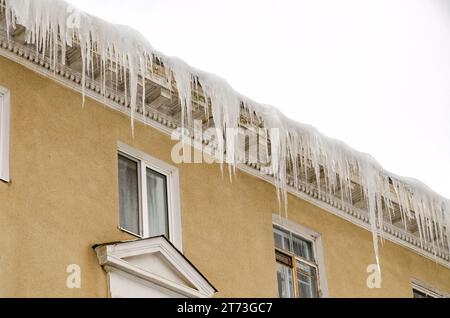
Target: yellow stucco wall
<point>63,199</point>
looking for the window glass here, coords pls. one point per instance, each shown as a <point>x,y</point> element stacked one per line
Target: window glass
<point>129,195</point>
<point>282,239</point>
<point>157,203</point>
<point>302,248</point>
<point>285,282</point>
<point>297,266</point>
<point>306,281</point>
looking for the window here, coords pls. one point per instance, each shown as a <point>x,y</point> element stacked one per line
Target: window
<point>148,196</point>
<point>299,261</point>
<point>4,134</point>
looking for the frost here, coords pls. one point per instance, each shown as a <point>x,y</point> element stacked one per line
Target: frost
<point>295,148</point>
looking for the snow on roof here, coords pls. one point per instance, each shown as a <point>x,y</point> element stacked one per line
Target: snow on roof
<point>54,25</point>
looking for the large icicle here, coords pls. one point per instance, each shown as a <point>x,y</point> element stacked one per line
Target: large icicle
<point>53,25</point>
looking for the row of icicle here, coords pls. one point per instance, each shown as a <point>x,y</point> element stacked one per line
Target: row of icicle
<point>53,25</point>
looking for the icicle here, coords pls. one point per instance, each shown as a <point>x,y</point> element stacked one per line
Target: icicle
<point>181,73</point>
<point>292,145</point>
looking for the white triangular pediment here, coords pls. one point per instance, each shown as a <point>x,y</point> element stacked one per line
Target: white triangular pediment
<point>158,264</point>
<point>152,263</point>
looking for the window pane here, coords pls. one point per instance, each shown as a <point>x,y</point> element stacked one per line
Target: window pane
<point>157,203</point>
<point>302,248</point>
<point>278,239</point>
<point>282,239</point>
<point>129,195</point>
<point>285,281</point>
<point>307,281</point>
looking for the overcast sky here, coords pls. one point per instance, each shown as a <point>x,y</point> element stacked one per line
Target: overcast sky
<point>375,74</point>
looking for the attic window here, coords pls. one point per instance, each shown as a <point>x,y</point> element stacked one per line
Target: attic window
<point>4,134</point>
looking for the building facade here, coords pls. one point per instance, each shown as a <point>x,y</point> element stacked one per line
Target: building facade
<point>92,208</point>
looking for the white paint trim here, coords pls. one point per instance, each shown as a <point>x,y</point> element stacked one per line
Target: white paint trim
<point>4,133</point>
<point>173,191</point>
<point>113,259</point>
<point>316,239</point>
<point>124,285</point>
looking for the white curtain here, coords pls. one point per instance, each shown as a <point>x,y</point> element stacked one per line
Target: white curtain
<point>157,203</point>
<point>129,195</point>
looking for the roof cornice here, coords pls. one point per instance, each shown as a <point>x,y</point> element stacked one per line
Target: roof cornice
<point>70,78</point>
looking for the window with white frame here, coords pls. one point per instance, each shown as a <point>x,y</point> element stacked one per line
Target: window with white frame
<point>148,196</point>
<point>299,260</point>
<point>4,134</point>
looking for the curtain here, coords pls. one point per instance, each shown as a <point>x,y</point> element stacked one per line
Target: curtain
<point>129,195</point>
<point>157,203</point>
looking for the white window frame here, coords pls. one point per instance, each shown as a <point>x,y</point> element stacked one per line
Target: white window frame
<point>4,134</point>
<point>173,193</point>
<point>317,244</point>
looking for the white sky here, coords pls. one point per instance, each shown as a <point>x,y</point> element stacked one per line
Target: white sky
<point>375,74</point>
